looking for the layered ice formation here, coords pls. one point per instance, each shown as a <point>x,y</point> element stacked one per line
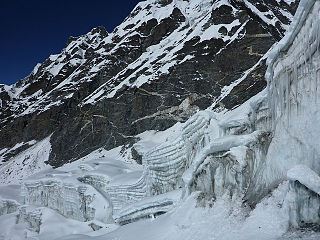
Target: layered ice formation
<point>294,71</point>
<point>75,201</point>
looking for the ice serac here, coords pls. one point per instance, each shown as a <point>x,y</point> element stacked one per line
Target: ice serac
<point>149,207</point>
<point>72,199</point>
<point>30,216</point>
<point>204,158</point>
<point>293,74</point>
<point>166,61</point>
<point>119,195</point>
<point>8,206</point>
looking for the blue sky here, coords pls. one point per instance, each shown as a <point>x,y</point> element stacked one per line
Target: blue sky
<point>31,30</point>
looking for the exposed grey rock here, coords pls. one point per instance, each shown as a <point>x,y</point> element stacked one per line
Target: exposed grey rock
<point>136,156</point>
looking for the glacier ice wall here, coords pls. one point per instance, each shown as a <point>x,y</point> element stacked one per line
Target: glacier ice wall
<point>293,75</point>
<point>119,195</point>
<point>303,197</point>
<point>8,206</point>
<point>73,200</point>
<point>30,216</point>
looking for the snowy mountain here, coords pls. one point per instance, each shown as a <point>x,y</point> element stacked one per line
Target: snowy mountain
<point>242,163</point>
<point>167,60</point>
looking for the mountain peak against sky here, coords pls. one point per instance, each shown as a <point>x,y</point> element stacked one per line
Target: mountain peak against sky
<point>41,33</point>
<point>34,30</point>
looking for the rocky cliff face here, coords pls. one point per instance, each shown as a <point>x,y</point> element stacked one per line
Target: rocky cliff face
<point>167,60</point>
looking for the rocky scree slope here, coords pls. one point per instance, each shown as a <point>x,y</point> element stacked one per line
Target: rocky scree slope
<point>167,60</point>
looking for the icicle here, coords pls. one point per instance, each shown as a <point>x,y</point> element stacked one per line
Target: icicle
<point>316,78</point>
<point>287,102</point>
<point>296,79</point>
<point>317,64</point>
<point>281,89</point>
<point>288,96</point>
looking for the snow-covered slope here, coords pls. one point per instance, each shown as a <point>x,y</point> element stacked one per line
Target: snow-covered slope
<point>26,163</point>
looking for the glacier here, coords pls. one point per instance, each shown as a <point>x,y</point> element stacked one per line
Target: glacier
<point>251,172</point>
